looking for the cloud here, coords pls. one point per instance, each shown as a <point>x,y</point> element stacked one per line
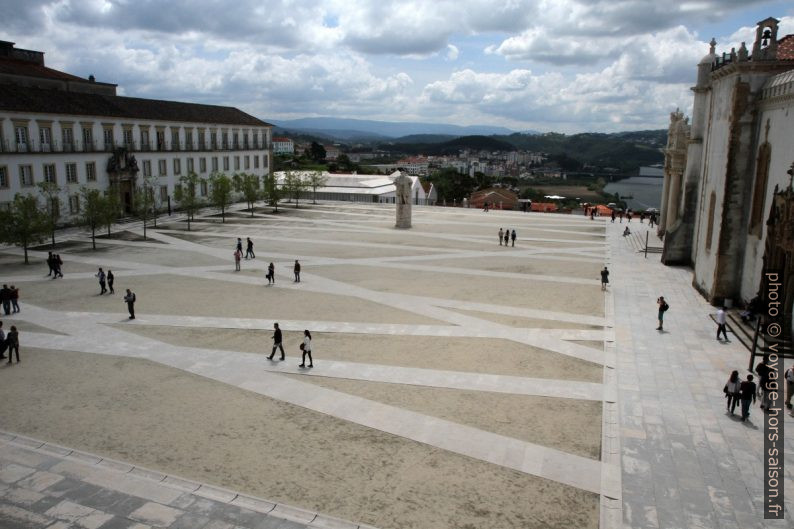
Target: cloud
<point>452,52</point>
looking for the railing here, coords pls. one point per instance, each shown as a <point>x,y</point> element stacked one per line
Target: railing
<point>11,147</point>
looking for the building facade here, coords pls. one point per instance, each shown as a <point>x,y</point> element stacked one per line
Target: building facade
<point>55,127</point>
<point>724,169</point>
<point>282,145</point>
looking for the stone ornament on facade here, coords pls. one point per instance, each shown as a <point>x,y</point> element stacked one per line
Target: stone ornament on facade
<point>403,184</point>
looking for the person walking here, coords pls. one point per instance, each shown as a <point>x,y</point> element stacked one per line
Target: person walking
<point>50,264</point>
<point>271,274</point>
<point>249,250</point>
<point>3,343</point>
<point>13,343</point>
<point>613,216</point>
<point>306,347</point>
<point>501,236</point>
<point>5,299</point>
<point>788,376</point>
<point>621,216</point>
<point>764,371</point>
<point>111,278</point>
<point>507,237</point>
<point>240,245</point>
<point>297,270</point>
<point>58,264</point>
<point>604,278</point>
<point>513,237</point>
<point>663,307</point>
<point>721,327</point>
<point>747,395</point>
<point>101,276</point>
<point>14,299</point>
<point>129,299</point>
<point>237,256</point>
<point>731,390</point>
<point>276,342</point>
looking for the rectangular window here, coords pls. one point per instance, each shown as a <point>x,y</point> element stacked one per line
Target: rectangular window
<point>26,175</point>
<point>160,136</point>
<point>256,162</point>
<point>225,163</point>
<point>163,193</point>
<point>264,161</point>
<point>74,204</point>
<point>213,140</point>
<point>45,136</point>
<point>175,140</point>
<point>177,166</point>
<point>247,162</point>
<point>162,167</point>
<point>21,133</point>
<point>67,135</point>
<point>71,173</point>
<point>145,140</point>
<point>190,165</point>
<point>88,138</point>
<point>49,173</point>
<point>236,163</point>
<point>214,164</point>
<point>189,140</point>
<point>128,138</point>
<point>201,139</point>
<point>202,165</point>
<point>3,177</point>
<point>147,168</point>
<point>204,188</point>
<point>90,171</point>
<point>225,140</point>
<point>107,138</point>
<point>236,140</point>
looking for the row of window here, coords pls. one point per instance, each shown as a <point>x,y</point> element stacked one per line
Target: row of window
<point>70,176</point>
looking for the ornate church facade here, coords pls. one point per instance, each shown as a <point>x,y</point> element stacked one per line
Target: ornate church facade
<point>728,171</point>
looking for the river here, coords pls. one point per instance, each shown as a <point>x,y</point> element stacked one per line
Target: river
<point>647,191</point>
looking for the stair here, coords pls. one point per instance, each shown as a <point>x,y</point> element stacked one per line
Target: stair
<point>745,333</point>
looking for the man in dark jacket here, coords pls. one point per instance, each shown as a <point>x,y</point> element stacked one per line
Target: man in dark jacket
<point>763,371</point>
<point>5,299</point>
<point>747,394</point>
<point>276,342</point>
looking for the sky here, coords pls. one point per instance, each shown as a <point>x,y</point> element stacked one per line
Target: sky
<point>547,65</point>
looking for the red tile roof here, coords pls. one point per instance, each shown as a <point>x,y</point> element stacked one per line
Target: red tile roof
<point>785,48</point>
<point>11,66</point>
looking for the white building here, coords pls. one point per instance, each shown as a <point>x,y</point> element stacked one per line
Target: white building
<point>283,145</point>
<point>76,132</point>
<point>416,165</point>
<point>353,187</point>
<point>727,178</point>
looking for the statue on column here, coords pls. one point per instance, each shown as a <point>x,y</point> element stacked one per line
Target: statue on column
<point>403,186</point>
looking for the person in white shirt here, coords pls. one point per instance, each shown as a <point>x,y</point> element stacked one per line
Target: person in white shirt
<point>721,328</point>
<point>306,347</point>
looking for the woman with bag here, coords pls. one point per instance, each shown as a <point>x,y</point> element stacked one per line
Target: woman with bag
<point>731,391</point>
<point>306,347</point>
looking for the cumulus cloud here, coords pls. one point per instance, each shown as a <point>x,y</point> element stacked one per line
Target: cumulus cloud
<point>452,52</point>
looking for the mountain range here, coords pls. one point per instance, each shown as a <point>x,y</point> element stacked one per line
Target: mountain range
<point>349,129</point>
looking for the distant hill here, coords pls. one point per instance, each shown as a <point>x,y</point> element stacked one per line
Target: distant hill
<point>477,143</point>
<point>424,138</point>
<point>355,128</point>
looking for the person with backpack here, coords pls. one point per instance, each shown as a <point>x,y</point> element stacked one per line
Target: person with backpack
<point>663,307</point>
<point>789,378</point>
<point>731,391</point>
<point>747,395</point>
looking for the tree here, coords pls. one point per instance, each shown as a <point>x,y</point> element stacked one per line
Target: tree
<point>24,223</point>
<point>111,210</point>
<point>52,203</point>
<point>248,185</point>
<point>316,179</point>
<point>143,203</point>
<point>185,195</point>
<point>150,182</point>
<point>272,192</point>
<point>294,184</point>
<point>317,152</point>
<point>221,192</point>
<point>452,185</point>
<point>92,211</point>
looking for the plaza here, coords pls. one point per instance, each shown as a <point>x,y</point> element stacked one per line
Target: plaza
<point>456,382</point>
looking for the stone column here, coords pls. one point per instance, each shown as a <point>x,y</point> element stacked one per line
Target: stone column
<point>403,186</point>
<point>673,201</point>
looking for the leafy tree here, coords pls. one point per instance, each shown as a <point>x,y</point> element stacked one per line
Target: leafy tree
<point>151,183</point>
<point>24,223</point>
<point>483,180</point>
<point>221,192</point>
<point>143,205</point>
<point>248,185</point>
<point>185,195</point>
<point>316,179</point>
<point>317,152</point>
<point>111,210</point>
<point>52,202</point>
<point>92,211</point>
<point>452,185</point>
<point>272,192</point>
<point>294,184</point>
<point>343,163</point>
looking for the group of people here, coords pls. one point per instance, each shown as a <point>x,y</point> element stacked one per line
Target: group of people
<point>506,235</point>
<point>54,263</point>
<point>745,392</point>
<point>9,298</point>
<point>103,279</point>
<point>305,346</point>
<point>271,269</point>
<point>9,342</point>
<point>238,252</point>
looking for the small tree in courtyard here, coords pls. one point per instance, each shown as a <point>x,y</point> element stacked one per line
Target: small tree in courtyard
<point>111,210</point>
<point>52,204</point>
<point>294,184</point>
<point>185,195</point>
<point>316,179</point>
<point>23,223</point>
<point>144,205</point>
<point>272,191</point>
<point>221,192</point>
<point>92,210</point>
<point>248,185</point>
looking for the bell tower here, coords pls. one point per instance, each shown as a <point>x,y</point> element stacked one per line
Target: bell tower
<point>765,46</point>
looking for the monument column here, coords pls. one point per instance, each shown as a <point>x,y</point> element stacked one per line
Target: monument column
<point>403,186</point>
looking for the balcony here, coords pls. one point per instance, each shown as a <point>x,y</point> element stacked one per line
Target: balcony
<point>11,147</point>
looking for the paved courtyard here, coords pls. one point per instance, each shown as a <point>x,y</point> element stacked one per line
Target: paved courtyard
<point>457,383</point>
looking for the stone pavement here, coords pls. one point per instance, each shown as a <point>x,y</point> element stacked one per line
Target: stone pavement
<point>46,485</point>
<point>685,462</point>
